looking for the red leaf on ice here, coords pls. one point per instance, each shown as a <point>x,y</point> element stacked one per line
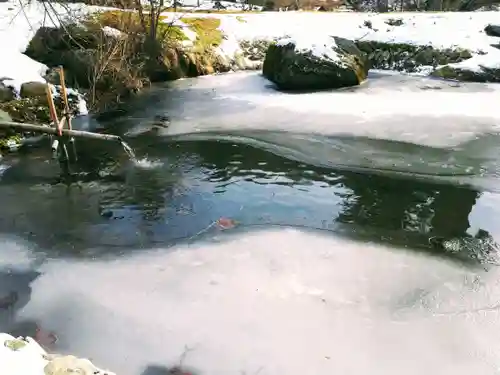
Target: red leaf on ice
<point>45,338</point>
<point>226,223</point>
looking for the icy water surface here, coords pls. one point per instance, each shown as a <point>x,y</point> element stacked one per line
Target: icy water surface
<point>264,233</point>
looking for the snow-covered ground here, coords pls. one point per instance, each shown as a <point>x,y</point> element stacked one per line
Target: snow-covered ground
<point>441,30</point>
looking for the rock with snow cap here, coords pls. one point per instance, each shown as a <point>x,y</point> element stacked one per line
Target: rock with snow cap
<point>320,63</point>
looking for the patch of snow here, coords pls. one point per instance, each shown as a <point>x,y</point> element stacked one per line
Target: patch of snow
<point>19,68</point>
<point>190,34</point>
<point>110,31</point>
<point>82,104</point>
<point>320,46</point>
<point>476,64</point>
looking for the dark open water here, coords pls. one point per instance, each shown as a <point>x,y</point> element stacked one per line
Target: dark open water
<point>328,265</point>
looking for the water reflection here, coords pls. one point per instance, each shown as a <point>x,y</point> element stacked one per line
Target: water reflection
<point>187,186</point>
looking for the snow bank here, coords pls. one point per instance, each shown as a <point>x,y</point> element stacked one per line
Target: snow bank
<point>438,30</point>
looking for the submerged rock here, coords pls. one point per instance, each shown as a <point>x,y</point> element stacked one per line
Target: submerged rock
<point>481,248</point>
<point>331,62</point>
<point>24,356</point>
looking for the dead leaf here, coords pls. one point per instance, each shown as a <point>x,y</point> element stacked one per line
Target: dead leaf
<point>226,223</point>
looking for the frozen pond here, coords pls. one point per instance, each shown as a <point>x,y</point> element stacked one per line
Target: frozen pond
<point>268,233</point>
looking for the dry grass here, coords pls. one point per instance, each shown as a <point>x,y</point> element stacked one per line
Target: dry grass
<point>116,72</point>
<point>130,22</point>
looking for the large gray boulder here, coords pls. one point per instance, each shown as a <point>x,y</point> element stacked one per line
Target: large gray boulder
<point>323,63</point>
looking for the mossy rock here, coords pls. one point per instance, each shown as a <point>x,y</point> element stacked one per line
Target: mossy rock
<point>255,50</point>
<point>48,42</point>
<point>30,110</point>
<point>9,139</point>
<point>179,62</point>
<point>407,57</point>
<point>484,75</point>
<point>290,69</point>
<point>207,29</point>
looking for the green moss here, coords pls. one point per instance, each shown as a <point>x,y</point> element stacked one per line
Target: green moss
<point>30,110</point>
<point>15,344</point>
<point>167,32</point>
<point>25,110</point>
<point>207,28</point>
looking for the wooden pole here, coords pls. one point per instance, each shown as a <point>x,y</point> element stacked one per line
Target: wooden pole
<point>65,97</point>
<point>65,132</point>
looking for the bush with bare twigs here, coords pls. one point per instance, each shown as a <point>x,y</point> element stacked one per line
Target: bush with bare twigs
<point>108,54</point>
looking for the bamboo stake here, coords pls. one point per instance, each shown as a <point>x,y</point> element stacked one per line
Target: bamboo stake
<point>67,113</point>
<point>52,107</point>
<point>65,97</point>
